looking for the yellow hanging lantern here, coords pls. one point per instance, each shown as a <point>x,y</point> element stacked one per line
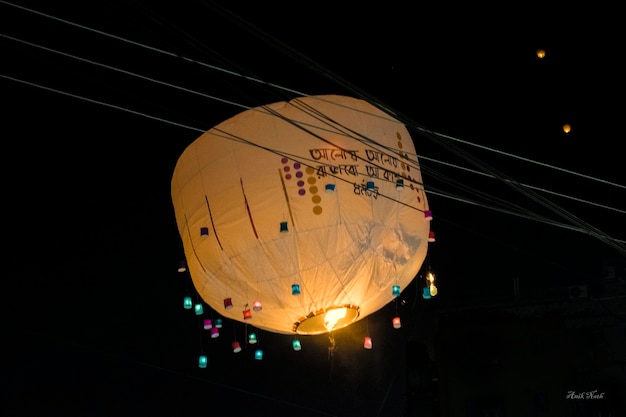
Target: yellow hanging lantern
<point>302,193</point>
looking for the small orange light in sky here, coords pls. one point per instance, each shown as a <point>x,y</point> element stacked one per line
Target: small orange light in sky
<point>541,53</point>
<point>567,128</point>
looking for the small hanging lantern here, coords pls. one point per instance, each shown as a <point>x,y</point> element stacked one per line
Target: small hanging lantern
<point>330,188</point>
<point>283,227</point>
<point>395,290</point>
<point>218,323</point>
<point>396,323</point>
<point>228,303</point>
<point>369,186</point>
<point>428,215</point>
<point>433,290</point>
<point>399,184</point>
<point>198,309</point>
<point>182,265</point>
<point>236,347</point>
<point>202,361</point>
<point>367,344</point>
<point>256,306</point>
<point>426,293</point>
<point>247,314</point>
<point>252,338</point>
<point>187,303</point>
<point>258,354</point>
<point>204,231</point>
<point>541,53</point>
<point>431,236</point>
<point>295,289</point>
<point>208,324</point>
<point>567,128</point>
<point>296,344</point>
<point>215,332</point>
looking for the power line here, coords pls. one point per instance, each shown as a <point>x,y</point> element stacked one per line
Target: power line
<point>508,181</point>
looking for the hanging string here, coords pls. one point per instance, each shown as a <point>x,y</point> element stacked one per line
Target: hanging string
<point>331,354</point>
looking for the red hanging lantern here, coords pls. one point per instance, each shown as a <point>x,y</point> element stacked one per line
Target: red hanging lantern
<point>367,344</point>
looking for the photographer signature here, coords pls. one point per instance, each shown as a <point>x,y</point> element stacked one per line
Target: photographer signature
<point>588,395</point>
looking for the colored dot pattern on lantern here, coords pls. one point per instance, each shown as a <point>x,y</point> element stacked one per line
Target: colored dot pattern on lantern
<point>294,171</point>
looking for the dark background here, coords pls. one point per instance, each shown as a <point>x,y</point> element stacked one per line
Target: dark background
<point>94,121</point>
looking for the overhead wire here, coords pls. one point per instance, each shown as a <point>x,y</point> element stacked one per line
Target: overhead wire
<point>578,226</point>
<point>159,82</point>
<point>590,229</point>
<point>583,226</point>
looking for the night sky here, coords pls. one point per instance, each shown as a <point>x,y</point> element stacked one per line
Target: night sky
<point>94,122</point>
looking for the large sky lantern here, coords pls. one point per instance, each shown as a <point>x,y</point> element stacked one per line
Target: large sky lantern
<point>302,217</point>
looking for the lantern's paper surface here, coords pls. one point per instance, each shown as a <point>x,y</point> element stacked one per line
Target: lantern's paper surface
<point>327,167</point>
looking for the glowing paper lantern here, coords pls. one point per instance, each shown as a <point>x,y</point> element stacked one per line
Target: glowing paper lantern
<point>208,324</point>
<point>395,290</point>
<point>367,343</point>
<point>344,248</point>
<point>295,289</point>
<point>202,361</point>
<point>198,309</point>
<point>187,303</point>
<point>218,323</point>
<point>296,345</point>
<point>541,53</point>
<point>252,338</point>
<point>258,354</point>
<point>215,332</point>
<point>236,347</point>
<point>567,128</point>
<point>396,323</point>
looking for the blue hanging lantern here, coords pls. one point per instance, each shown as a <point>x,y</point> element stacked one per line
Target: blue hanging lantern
<point>202,361</point>
<point>296,344</point>
<point>395,290</point>
<point>187,303</point>
<point>283,227</point>
<point>252,338</point>
<point>295,289</point>
<point>258,354</point>
<point>218,323</point>
<point>198,309</point>
<point>426,293</point>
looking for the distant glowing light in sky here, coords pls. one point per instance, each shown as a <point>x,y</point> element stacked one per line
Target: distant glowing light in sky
<point>541,53</point>
<point>567,128</point>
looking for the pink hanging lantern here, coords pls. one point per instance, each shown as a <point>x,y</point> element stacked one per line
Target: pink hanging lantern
<point>215,332</point>
<point>396,323</point>
<point>428,215</point>
<point>256,306</point>
<point>208,324</point>
<point>367,344</point>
